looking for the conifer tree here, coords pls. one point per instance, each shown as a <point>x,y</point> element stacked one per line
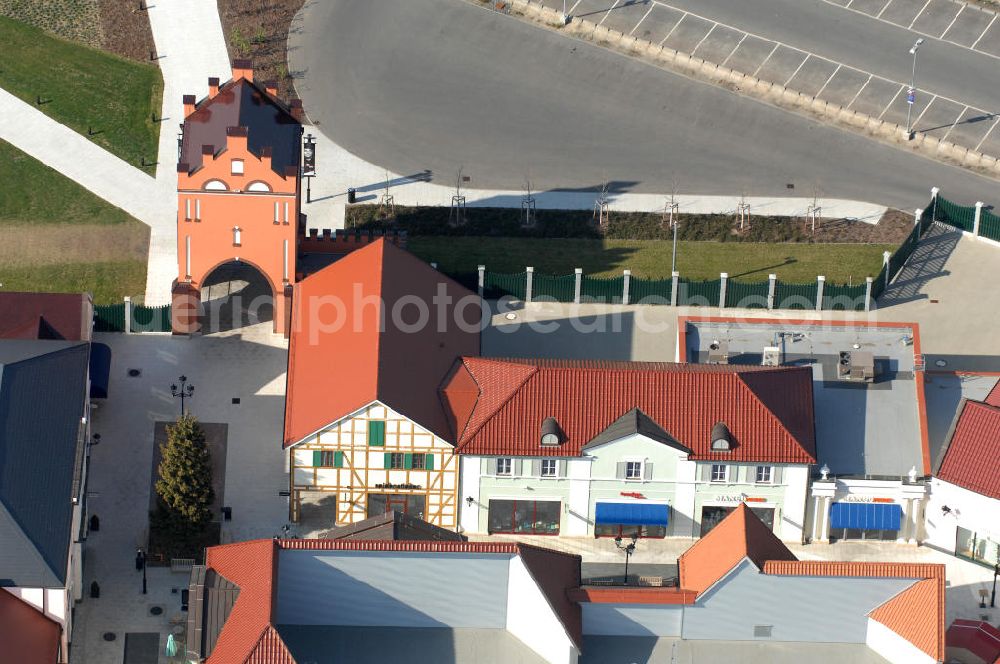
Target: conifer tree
<point>185,474</point>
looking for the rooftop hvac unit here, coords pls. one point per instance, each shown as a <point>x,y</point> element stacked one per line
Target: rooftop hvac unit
<point>771,357</point>
<point>718,352</point>
<point>856,366</point>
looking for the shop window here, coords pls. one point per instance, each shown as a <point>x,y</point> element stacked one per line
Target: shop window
<point>382,503</point>
<point>530,517</point>
<point>620,530</point>
<point>976,547</point>
<point>712,515</point>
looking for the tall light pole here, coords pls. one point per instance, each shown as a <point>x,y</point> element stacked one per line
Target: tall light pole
<point>629,549</point>
<point>565,16</point>
<point>185,391</point>
<point>911,94</point>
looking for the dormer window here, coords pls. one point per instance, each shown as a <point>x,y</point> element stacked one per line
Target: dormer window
<point>550,432</point>
<point>722,439</point>
<point>236,166</point>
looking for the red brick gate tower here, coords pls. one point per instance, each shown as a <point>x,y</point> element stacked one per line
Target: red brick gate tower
<point>238,191</point>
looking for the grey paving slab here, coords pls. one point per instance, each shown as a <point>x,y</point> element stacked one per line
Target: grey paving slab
<point>969,26</point>
<point>990,41</point>
<point>936,17</point>
<point>719,44</point>
<point>844,86</point>
<point>750,55</point>
<point>658,23</point>
<point>812,76</point>
<point>871,7</point>
<point>626,15</point>
<point>688,33</point>
<point>902,12</point>
<point>972,127</point>
<point>938,118</point>
<point>781,65</point>
<point>875,97</point>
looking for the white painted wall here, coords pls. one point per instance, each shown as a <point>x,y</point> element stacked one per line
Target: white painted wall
<point>469,515</point>
<point>632,619</point>
<point>684,493</point>
<point>893,647</point>
<point>577,519</point>
<point>969,510</point>
<point>793,514</point>
<point>531,618</point>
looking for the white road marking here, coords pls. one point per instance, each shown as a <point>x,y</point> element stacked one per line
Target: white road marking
<point>882,11</point>
<point>681,20</point>
<point>651,5</point>
<point>918,14</point>
<point>808,55</point>
<point>986,135</point>
<point>953,21</point>
<point>698,45</point>
<point>776,45</point>
<point>976,43</point>
<point>889,105</point>
<point>607,12</point>
<point>828,80</point>
<point>860,90</point>
<point>573,8</point>
<point>919,117</point>
<point>953,124</point>
<point>735,48</point>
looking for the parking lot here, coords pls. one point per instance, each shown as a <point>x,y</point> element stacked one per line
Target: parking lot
<point>812,74</point>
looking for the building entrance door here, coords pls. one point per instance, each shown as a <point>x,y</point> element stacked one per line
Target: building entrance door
<point>382,503</point>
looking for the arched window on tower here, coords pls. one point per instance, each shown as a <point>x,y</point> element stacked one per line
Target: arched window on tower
<point>237,236</point>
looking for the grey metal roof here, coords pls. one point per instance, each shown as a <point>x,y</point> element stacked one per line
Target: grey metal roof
<point>212,599</point>
<point>633,422</point>
<point>393,525</point>
<point>332,645</point>
<point>43,392</point>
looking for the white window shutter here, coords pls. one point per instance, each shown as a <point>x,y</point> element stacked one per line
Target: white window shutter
<point>562,466</point>
<point>706,473</point>
<point>536,467</point>
<point>776,474</point>
<point>515,467</point>
<point>647,471</point>
<point>620,471</point>
<point>491,466</point>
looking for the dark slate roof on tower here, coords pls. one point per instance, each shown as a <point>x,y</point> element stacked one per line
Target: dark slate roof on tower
<point>243,103</point>
<point>40,453</point>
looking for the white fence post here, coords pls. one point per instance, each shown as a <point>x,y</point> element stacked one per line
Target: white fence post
<point>885,264</point>
<point>128,315</point>
<point>868,293</point>
<point>527,286</point>
<point>673,288</point>
<point>916,216</point>
<point>578,272</point>
<point>979,214</point>
<point>723,282</point>
<point>820,283</point>
<point>934,197</point>
<point>482,279</point>
<point>772,283</point>
<point>626,282</point>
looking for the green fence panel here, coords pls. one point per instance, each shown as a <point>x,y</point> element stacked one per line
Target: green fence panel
<point>959,216</point>
<point>794,296</point>
<point>109,318</point>
<point>607,289</point>
<point>549,287</point>
<point>150,319</point>
<point>698,293</point>
<point>927,218</point>
<point>497,284</point>
<point>901,255</point>
<point>844,297</point>
<point>747,295</point>
<point>649,291</point>
<point>878,285</point>
<point>989,225</point>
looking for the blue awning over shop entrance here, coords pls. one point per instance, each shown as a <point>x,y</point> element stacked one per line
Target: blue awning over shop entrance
<point>100,370</point>
<point>866,516</point>
<point>632,514</point>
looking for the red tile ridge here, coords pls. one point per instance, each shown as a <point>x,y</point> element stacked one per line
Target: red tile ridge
<point>631,595</point>
<point>399,545</point>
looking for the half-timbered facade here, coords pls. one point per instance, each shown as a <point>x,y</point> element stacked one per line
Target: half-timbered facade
<point>365,428</point>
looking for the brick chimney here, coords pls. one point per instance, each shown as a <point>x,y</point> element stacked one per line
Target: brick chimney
<point>295,107</point>
<point>242,69</point>
<point>272,88</point>
<point>213,86</point>
<point>236,139</point>
<point>189,103</point>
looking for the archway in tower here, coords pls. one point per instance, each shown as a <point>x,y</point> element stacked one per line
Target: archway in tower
<point>235,295</point>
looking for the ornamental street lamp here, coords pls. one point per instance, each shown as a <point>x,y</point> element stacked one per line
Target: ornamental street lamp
<point>185,391</point>
<point>309,163</point>
<point>911,94</point>
<point>629,549</point>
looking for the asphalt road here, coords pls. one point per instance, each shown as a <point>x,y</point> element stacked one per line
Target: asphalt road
<point>864,43</point>
<point>437,84</point>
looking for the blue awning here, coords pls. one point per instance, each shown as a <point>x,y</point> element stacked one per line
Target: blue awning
<point>866,516</point>
<point>100,370</point>
<point>631,514</point>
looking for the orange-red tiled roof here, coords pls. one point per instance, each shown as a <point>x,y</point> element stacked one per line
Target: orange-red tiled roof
<point>632,595</point>
<point>917,614</point>
<point>740,535</point>
<point>249,636</point>
<point>769,411</point>
<point>346,351</point>
<point>27,636</point>
<point>993,398</point>
<point>969,458</point>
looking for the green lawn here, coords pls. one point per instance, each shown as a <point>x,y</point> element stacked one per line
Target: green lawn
<point>746,261</point>
<point>59,237</point>
<point>86,89</point>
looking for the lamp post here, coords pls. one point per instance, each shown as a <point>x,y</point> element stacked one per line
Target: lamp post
<point>309,164</point>
<point>185,391</point>
<point>996,573</point>
<point>565,16</point>
<point>911,94</point>
<point>629,549</point>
